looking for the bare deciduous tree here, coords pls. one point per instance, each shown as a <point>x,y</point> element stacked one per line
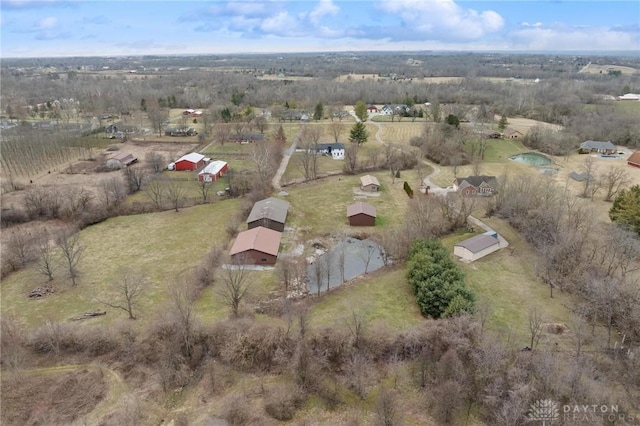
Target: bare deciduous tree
<point>128,289</point>
<point>336,128</point>
<point>113,191</point>
<point>155,190</point>
<point>589,168</point>
<point>535,325</point>
<point>155,161</point>
<point>72,251</point>
<point>176,192</point>
<point>134,176</point>
<point>235,282</point>
<point>613,180</point>
<point>46,259</point>
<point>204,188</point>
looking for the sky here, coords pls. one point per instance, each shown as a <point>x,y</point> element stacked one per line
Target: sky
<point>56,28</point>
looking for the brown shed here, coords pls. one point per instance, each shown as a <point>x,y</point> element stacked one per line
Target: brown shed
<point>257,246</point>
<point>369,183</point>
<point>361,214</point>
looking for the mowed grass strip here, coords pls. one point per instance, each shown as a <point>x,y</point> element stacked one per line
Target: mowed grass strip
<point>383,297</point>
<point>164,246</point>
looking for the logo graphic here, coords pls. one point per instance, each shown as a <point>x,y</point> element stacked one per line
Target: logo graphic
<point>544,410</point>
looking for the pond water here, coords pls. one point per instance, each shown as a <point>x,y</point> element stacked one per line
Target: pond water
<point>532,159</point>
<point>360,256</point>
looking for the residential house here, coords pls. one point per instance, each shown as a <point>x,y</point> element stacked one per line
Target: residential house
<point>476,185</point>
<point>269,213</point>
<point>192,161</point>
<point>372,108</point>
<point>180,131</point>
<point>121,128</point>
<point>369,183</point>
<point>510,133</point>
<point>477,247</point>
<point>361,214</point>
<point>245,138</point>
<point>634,159</point>
<point>395,109</point>
<point>213,171</point>
<point>597,146</point>
<point>334,150</point>
<point>256,246</point>
<point>629,97</point>
<point>121,160</point>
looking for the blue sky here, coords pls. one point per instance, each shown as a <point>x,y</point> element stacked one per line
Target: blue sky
<point>34,28</point>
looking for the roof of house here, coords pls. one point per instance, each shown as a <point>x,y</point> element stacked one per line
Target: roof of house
<point>509,131</point>
<point>192,157</point>
<point>369,180</point>
<point>323,146</point>
<point>579,176</point>
<point>477,181</point>
<point>247,137</point>
<point>124,157</point>
<point>259,238</point>
<point>213,167</point>
<point>634,158</point>
<point>479,242</point>
<point>269,208</point>
<point>597,145</point>
<point>360,207</point>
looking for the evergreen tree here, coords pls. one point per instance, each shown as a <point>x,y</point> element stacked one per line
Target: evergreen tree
<point>626,209</point>
<point>143,104</point>
<point>503,123</point>
<point>359,134</point>
<point>280,136</point>
<point>319,112</point>
<point>361,110</point>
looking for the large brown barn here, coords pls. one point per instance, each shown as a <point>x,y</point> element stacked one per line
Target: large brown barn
<point>361,214</point>
<point>257,246</point>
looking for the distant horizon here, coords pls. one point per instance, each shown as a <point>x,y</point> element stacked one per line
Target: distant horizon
<point>599,53</point>
<point>81,28</point>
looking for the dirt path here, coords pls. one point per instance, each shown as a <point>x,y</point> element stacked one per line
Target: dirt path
<point>275,182</point>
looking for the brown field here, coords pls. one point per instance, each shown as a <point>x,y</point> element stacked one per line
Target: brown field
<point>523,125</point>
<point>603,69</point>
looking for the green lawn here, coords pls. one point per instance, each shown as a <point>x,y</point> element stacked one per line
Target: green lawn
<point>164,246</point>
<point>383,297</point>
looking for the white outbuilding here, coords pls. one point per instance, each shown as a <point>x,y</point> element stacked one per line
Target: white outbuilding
<point>477,247</point>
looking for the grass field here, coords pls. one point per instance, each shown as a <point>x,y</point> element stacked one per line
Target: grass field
<point>164,246</point>
<point>321,206</point>
<point>398,133</point>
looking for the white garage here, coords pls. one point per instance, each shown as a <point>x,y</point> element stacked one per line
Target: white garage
<point>477,247</point>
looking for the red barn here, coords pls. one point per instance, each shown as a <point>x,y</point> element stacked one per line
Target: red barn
<point>361,214</point>
<point>634,159</point>
<point>256,246</point>
<point>213,171</point>
<point>191,161</point>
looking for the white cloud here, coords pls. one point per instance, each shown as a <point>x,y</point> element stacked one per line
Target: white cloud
<point>47,23</point>
<point>563,37</point>
<point>444,19</point>
<point>324,8</point>
<point>280,24</point>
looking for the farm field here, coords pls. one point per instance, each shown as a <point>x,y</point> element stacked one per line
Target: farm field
<point>604,69</point>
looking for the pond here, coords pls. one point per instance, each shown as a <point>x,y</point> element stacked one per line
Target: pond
<point>360,256</point>
<point>532,159</point>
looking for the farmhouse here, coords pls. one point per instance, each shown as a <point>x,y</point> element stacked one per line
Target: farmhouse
<point>369,183</point>
<point>361,214</point>
<point>372,108</point>
<point>256,246</point>
<point>597,146</point>
<point>180,131</point>
<point>191,161</point>
<point>335,150</point>
<point>634,159</point>
<point>246,138</point>
<point>213,171</point>
<point>121,160</point>
<point>477,247</point>
<point>476,185</point>
<point>510,133</point>
<point>269,213</point>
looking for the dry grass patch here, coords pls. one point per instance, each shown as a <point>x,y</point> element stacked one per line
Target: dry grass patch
<point>164,246</point>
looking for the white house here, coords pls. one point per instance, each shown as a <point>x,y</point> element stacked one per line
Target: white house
<point>477,247</point>
<point>335,150</point>
<point>629,97</point>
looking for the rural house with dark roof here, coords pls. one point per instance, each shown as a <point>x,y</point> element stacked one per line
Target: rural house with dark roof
<point>597,146</point>
<point>270,213</point>
<point>361,214</point>
<point>476,185</point>
<point>257,246</point>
